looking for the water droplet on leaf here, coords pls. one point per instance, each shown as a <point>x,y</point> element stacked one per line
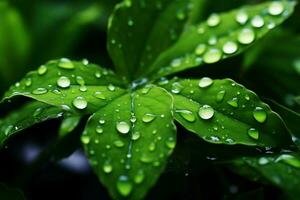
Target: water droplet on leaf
<point>124,186</point>
<point>123,127</point>
<point>80,103</point>
<point>260,115</point>
<point>63,82</point>
<point>206,112</point>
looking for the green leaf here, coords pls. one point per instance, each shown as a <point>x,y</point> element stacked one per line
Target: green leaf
<point>222,111</point>
<point>28,115</point>
<point>129,140</point>
<point>282,170</point>
<point>220,37</point>
<point>74,86</point>
<point>10,193</point>
<point>135,29</point>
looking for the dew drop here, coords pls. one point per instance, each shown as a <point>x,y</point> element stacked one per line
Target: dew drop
<point>139,177</point>
<point>123,127</point>
<point>42,70</point>
<point>39,91</point>
<point>80,103</point>
<point>180,15</point>
<point>230,47</point>
<point>253,133</point>
<point>200,49</point>
<point>28,82</point>
<point>171,142</point>
<point>152,146</point>
<point>212,56</point>
<point>275,8</point>
<point>213,20</point>
<point>257,22</point>
<point>206,112</point>
<point>246,36</point>
<point>233,102</point>
<point>124,186</point>
<point>241,17</point>
<point>187,115</point>
<point>263,161</point>
<point>119,143</point>
<point>80,80</point>
<point>260,115</point>
<point>176,88</point>
<point>99,129</point>
<point>65,63</point>
<point>111,87</point>
<point>63,82</point>
<point>99,95</point>
<point>221,95</point>
<point>85,139</point>
<point>130,22</point>
<point>148,118</point>
<point>205,82</point>
<point>176,62</point>
<point>136,135</point>
<point>107,167</point>
<point>98,75</point>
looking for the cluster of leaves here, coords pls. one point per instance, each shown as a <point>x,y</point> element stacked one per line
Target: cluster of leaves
<point>131,132</point>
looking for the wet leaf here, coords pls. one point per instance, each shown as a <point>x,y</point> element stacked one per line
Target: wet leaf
<point>129,140</point>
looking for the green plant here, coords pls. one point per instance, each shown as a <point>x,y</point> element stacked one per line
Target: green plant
<point>131,132</point>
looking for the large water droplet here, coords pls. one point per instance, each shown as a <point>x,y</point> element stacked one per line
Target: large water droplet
<point>63,82</point>
<point>99,129</point>
<point>148,118</point>
<point>275,8</point>
<point>260,115</point>
<point>241,17</point>
<point>136,135</point>
<point>139,177</point>
<point>124,186</point>
<point>111,87</point>
<point>230,47</point>
<point>171,142</point>
<point>80,103</point>
<point>246,36</point>
<point>85,139</point>
<point>212,56</point>
<point>205,82</point>
<point>39,91</point>
<point>187,115</point>
<point>200,49</point>
<point>123,127</point>
<point>257,21</point>
<point>42,70</point>
<point>107,167</point>
<point>66,64</point>
<point>206,112</point>
<point>213,20</point>
<point>253,133</point>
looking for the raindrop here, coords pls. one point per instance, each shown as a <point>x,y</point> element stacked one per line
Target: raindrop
<point>253,133</point>
<point>152,146</point>
<point>136,135</point>
<point>99,129</point>
<point>212,56</point>
<point>257,22</point>
<point>263,161</point>
<point>83,88</point>
<point>119,143</point>
<point>221,95</point>
<point>99,95</point>
<point>107,167</point>
<point>180,15</point>
<point>123,127</point>
<point>206,112</point>
<point>39,91</point>
<point>148,118</point>
<point>139,177</point>
<point>176,88</point>
<point>187,115</point>
<point>42,70</point>
<point>130,22</point>
<point>66,64</point>
<point>28,82</point>
<point>171,142</point>
<point>200,49</point>
<point>124,186</point>
<point>98,75</point>
<point>101,121</point>
<point>275,8</point>
<point>111,87</point>
<point>213,20</point>
<point>230,47</point>
<point>63,82</point>
<point>80,103</point>
<point>80,80</point>
<point>233,102</point>
<point>176,62</point>
<point>260,115</point>
<point>205,82</point>
<point>85,139</point>
<point>241,17</point>
<point>246,36</point>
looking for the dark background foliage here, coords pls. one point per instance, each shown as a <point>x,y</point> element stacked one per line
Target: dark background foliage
<point>35,31</point>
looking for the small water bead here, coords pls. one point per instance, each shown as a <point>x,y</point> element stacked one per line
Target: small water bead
<point>263,161</point>
<point>98,75</point>
<point>65,63</point>
<point>107,167</point>
<point>148,118</point>
<point>28,82</point>
<point>63,82</point>
<point>136,135</point>
<point>221,95</point>
<point>176,62</point>
<point>289,159</point>
<point>213,40</point>
<point>101,121</point>
<point>99,95</point>
<point>187,115</point>
<point>253,133</point>
<point>206,112</point>
<point>119,143</point>
<point>80,103</point>
<point>85,62</point>
<point>233,102</point>
<point>83,88</point>
<point>213,55</point>
<point>176,88</point>
<point>171,142</point>
<point>99,129</point>
<point>246,36</point>
<point>260,115</point>
<point>200,49</point>
<point>85,139</point>
<point>39,91</point>
<point>213,20</point>
<point>123,127</point>
<point>180,15</point>
<point>80,80</point>
<point>257,21</point>
<point>241,17</point>
<point>139,177</point>
<point>124,186</point>
<point>276,8</point>
<point>205,82</point>
<point>42,70</point>
<point>230,47</point>
<point>152,146</point>
<point>130,22</point>
<point>111,87</point>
